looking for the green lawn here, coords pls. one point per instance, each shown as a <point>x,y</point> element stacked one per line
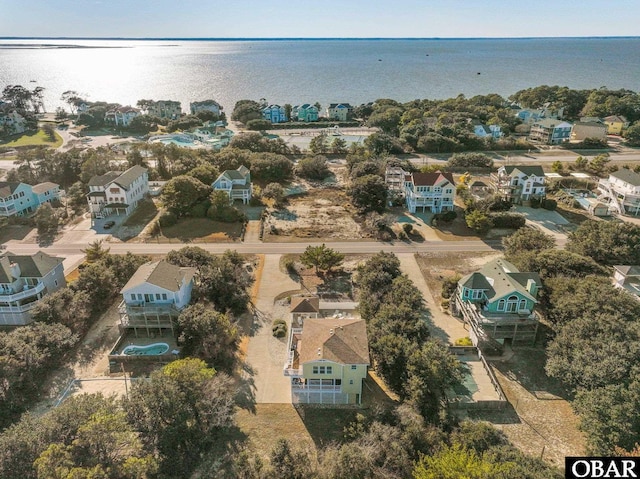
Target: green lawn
<point>32,139</point>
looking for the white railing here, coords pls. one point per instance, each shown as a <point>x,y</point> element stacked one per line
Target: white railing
<point>18,309</point>
<point>316,387</point>
<point>292,372</point>
<point>27,292</point>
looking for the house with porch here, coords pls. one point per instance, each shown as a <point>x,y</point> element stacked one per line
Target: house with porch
<point>339,111</point>
<point>155,295</point>
<point>117,192</point>
<point>615,124</point>
<point>121,116</point>
<point>518,183</point>
<point>498,302</point>
<point>22,199</point>
<point>328,360</point>
<point>306,113</point>
<point>24,281</point>
<point>430,191</point>
<point>11,122</point>
<point>274,114</point>
<point>236,183</point>
<point>621,191</point>
<point>165,109</point>
<point>487,131</point>
<point>550,131</point>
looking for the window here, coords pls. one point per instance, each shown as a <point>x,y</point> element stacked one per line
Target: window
<point>350,381</point>
<point>133,297</point>
<point>501,305</point>
<point>523,304</point>
<point>315,370</point>
<point>321,370</point>
<point>158,296</point>
<point>164,296</point>
<point>477,294</point>
<point>353,366</point>
<point>329,369</point>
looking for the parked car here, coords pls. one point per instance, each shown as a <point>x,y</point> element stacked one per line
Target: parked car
<point>109,225</point>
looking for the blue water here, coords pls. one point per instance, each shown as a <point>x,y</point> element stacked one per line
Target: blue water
<point>299,71</point>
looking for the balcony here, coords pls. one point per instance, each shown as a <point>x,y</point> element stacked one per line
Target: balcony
<point>26,292</point>
<point>7,209</point>
<point>292,367</point>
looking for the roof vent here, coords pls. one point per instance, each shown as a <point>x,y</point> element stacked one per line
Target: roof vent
<point>331,331</point>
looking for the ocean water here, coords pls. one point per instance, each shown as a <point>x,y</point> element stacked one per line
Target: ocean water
<point>306,71</point>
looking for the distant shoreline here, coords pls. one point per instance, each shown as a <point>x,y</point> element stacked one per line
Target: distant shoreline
<point>277,39</point>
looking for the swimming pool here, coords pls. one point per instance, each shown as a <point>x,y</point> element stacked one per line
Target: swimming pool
<point>155,349</point>
<point>184,141</point>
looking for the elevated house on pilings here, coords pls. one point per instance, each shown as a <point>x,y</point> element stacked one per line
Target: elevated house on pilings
<point>154,297</point>
<point>498,302</point>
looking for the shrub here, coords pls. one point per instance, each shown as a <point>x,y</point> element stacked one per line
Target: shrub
<point>290,266</point>
<point>402,235</point>
<point>199,210</point>
<point>279,328</point>
<point>470,160</point>
<point>445,303</point>
<point>508,220</point>
<point>407,228</point>
<point>258,125</point>
<point>449,286</point>
<point>535,202</point>
<point>167,219</point>
<point>466,341</point>
<point>549,204</point>
<point>446,217</point>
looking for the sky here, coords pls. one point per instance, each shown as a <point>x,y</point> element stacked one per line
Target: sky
<point>318,18</point>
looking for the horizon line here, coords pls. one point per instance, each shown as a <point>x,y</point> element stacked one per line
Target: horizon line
<point>308,38</point>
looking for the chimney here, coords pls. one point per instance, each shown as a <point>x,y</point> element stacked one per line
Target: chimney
<point>532,287</point>
<point>15,270</point>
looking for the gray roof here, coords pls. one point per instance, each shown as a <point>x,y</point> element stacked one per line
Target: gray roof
<point>103,180</point>
<point>502,278</point>
<point>36,265</point>
<point>535,170</point>
<point>628,176</point>
<point>7,188</point>
<point>628,270</point>
<point>42,187</point>
<point>128,177</point>
<point>162,274</point>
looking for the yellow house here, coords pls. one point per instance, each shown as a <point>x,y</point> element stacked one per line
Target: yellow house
<point>328,360</point>
<point>615,124</point>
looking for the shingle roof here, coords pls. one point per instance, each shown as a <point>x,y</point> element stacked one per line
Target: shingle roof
<point>300,304</point>
<point>430,179</point>
<point>535,170</point>
<point>628,176</point>
<point>128,177</point>
<point>500,279</point>
<point>103,180</point>
<point>7,188</point>
<point>615,118</point>
<point>475,281</point>
<point>42,187</point>
<point>552,123</point>
<point>339,340</point>
<point>161,274</point>
<point>36,265</point>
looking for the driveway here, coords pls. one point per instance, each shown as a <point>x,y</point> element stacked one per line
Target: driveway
<point>266,354</point>
<point>551,222</point>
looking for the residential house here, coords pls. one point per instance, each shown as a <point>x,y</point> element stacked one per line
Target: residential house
<point>21,199</point>
<point>206,105</point>
<point>550,131</point>
<point>11,122</point>
<point>498,303</point>
<point>274,114</point>
<point>212,134</point>
<point>430,191</point>
<point>628,278</point>
<point>155,295</point>
<point>236,183</point>
<point>615,124</point>
<point>165,109</point>
<point>306,113</point>
<point>25,280</point>
<point>339,111</point>
<point>304,307</point>
<point>621,191</point>
<point>122,115</point>
<point>519,183</point>
<point>394,178</point>
<point>487,131</point>
<point>583,130</point>
<point>328,361</point>
<point>531,115</point>
<point>116,192</point>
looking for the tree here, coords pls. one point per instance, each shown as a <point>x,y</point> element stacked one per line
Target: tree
<point>65,306</point>
<point>258,124</point>
<point>470,160</point>
<point>454,462</point>
<point>96,251</point>
<point>288,463</point>
<point>182,193</point>
<point>180,412</point>
<point>379,144</point>
<point>338,146</point>
<point>100,283</point>
<point>368,193</point>
<point>555,262</point>
<point>363,168</point>
<point>271,167</point>
<point>321,257</point>
<point>608,243</point>
<point>313,168</point>
<point>632,134</point>
<point>275,192</point>
<point>526,240</point>
<point>478,221</point>
<point>245,110</point>
<point>581,163</point>
<point>71,98</point>
<point>557,167</point>
<point>208,335</point>
<point>225,282</point>
<point>319,144</point>
<point>387,119</point>
<point>46,221</point>
<point>190,256</point>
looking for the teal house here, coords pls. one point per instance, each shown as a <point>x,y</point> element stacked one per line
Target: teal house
<point>499,301</point>
<point>306,113</point>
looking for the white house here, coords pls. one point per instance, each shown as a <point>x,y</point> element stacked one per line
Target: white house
<point>117,193</point>
<point>236,183</point>
<point>621,191</point>
<point>122,115</point>
<point>430,191</point>
<point>165,109</point>
<point>274,114</point>
<point>11,122</point>
<point>154,296</point>
<point>206,105</point>
<point>24,280</point>
<point>518,183</point>
<point>21,199</point>
<point>628,278</point>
